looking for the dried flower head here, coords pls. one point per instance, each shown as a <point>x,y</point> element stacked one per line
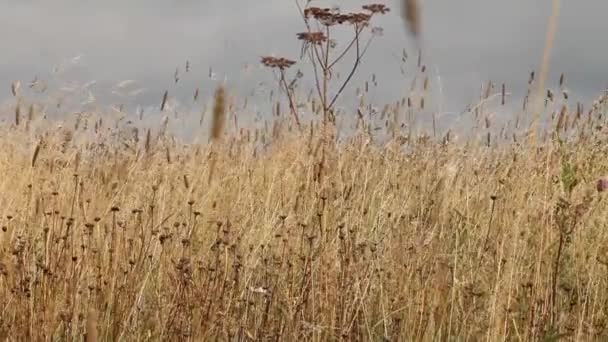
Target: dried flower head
<point>312,37</point>
<point>316,12</point>
<point>376,8</point>
<point>325,16</point>
<point>359,19</point>
<point>277,62</point>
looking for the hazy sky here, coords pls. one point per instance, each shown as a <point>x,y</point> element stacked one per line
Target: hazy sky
<point>466,42</point>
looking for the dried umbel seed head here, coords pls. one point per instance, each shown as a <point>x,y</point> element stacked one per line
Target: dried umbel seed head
<point>359,19</point>
<point>317,12</point>
<point>312,37</point>
<point>341,18</point>
<point>325,16</point>
<point>277,62</point>
<point>377,8</point>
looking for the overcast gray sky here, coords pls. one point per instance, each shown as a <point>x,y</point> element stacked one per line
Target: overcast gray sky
<point>466,43</point>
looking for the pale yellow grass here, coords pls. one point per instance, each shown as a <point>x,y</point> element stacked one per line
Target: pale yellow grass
<point>301,239</point>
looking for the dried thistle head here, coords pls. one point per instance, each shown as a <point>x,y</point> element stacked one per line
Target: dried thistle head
<point>277,62</point>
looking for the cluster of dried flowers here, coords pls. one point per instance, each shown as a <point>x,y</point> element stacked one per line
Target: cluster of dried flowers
<point>327,17</point>
<point>315,38</point>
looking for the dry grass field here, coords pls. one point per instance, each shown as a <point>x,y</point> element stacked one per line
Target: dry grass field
<point>289,233</point>
<point>303,236</point>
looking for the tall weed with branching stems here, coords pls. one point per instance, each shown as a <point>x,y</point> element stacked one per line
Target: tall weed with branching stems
<point>324,53</point>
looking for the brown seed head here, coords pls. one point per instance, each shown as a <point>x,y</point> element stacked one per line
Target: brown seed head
<point>316,12</point>
<point>277,62</point>
<point>377,8</point>
<point>312,37</point>
<point>359,19</point>
<point>325,16</point>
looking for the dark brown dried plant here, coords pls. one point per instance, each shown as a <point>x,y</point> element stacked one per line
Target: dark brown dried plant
<point>319,49</point>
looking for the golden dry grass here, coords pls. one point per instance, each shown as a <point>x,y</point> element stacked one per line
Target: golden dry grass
<point>302,238</point>
<point>283,234</point>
